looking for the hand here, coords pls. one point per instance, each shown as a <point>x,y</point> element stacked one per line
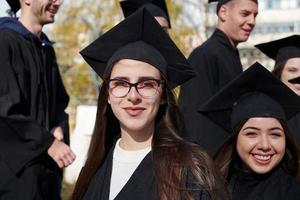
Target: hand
<point>58,133</point>
<point>61,153</point>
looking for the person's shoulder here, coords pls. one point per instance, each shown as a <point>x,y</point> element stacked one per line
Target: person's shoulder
<point>209,48</point>
<point>7,35</point>
<point>289,180</point>
<point>205,46</point>
<point>7,32</point>
<point>289,184</point>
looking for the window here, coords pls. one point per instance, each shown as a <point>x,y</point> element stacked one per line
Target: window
<point>273,4</point>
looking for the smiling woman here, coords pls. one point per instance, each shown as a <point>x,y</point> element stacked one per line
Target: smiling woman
<point>261,144</point>
<point>135,108</point>
<point>260,159</point>
<point>136,151</point>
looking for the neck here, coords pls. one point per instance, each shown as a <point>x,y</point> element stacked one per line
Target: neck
<point>136,140</point>
<point>232,42</point>
<point>31,24</point>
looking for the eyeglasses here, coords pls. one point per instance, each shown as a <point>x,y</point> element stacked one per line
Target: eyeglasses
<point>146,88</point>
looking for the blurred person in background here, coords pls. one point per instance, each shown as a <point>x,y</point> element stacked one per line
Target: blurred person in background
<point>33,123</point>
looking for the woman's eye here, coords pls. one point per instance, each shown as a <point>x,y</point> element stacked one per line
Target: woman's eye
<point>292,70</point>
<point>149,84</point>
<point>276,134</point>
<point>245,13</point>
<point>250,134</point>
<point>119,83</point>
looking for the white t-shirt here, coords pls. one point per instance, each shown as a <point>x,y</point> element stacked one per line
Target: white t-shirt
<point>124,164</point>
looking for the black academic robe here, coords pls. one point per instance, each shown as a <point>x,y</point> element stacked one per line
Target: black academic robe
<point>276,185</point>
<point>217,62</point>
<point>294,125</point>
<point>32,102</point>
<point>141,184</point>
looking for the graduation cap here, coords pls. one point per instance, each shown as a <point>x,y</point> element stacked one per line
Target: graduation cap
<point>254,93</point>
<point>14,5</point>
<point>282,49</point>
<point>158,8</point>
<point>139,37</point>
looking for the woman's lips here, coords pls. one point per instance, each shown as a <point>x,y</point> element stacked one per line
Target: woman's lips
<point>134,111</point>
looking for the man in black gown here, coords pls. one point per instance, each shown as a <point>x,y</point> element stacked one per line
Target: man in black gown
<point>217,62</point>
<point>33,124</point>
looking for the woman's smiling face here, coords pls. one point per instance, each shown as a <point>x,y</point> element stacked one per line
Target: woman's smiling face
<point>134,111</point>
<point>261,144</point>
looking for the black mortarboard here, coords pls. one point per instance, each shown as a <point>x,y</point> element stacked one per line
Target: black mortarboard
<point>139,37</point>
<point>158,8</point>
<point>254,93</point>
<point>14,5</point>
<point>282,49</point>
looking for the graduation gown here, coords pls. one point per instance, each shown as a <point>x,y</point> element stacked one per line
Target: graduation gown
<point>32,102</point>
<point>217,62</point>
<point>276,185</point>
<point>141,185</point>
<point>294,125</point>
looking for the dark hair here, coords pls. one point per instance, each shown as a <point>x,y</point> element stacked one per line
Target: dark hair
<point>227,154</point>
<point>219,5</point>
<point>172,156</point>
<point>278,68</point>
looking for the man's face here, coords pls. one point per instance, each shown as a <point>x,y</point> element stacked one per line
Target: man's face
<point>239,19</point>
<point>45,10</point>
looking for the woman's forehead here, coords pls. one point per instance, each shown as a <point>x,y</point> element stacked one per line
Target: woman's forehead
<point>130,67</point>
<point>263,122</point>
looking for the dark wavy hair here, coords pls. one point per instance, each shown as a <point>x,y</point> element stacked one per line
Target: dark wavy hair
<point>278,68</point>
<point>227,155</point>
<point>172,156</point>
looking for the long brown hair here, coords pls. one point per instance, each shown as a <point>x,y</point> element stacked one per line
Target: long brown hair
<point>227,154</point>
<point>173,158</point>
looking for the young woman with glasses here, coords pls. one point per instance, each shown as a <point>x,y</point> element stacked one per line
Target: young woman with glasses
<point>136,151</point>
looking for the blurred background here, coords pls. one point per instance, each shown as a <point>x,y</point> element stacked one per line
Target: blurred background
<point>80,22</point>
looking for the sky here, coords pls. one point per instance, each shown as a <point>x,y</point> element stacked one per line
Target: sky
<point>3,7</point>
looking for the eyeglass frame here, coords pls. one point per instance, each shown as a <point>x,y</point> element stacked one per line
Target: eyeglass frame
<point>158,81</point>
